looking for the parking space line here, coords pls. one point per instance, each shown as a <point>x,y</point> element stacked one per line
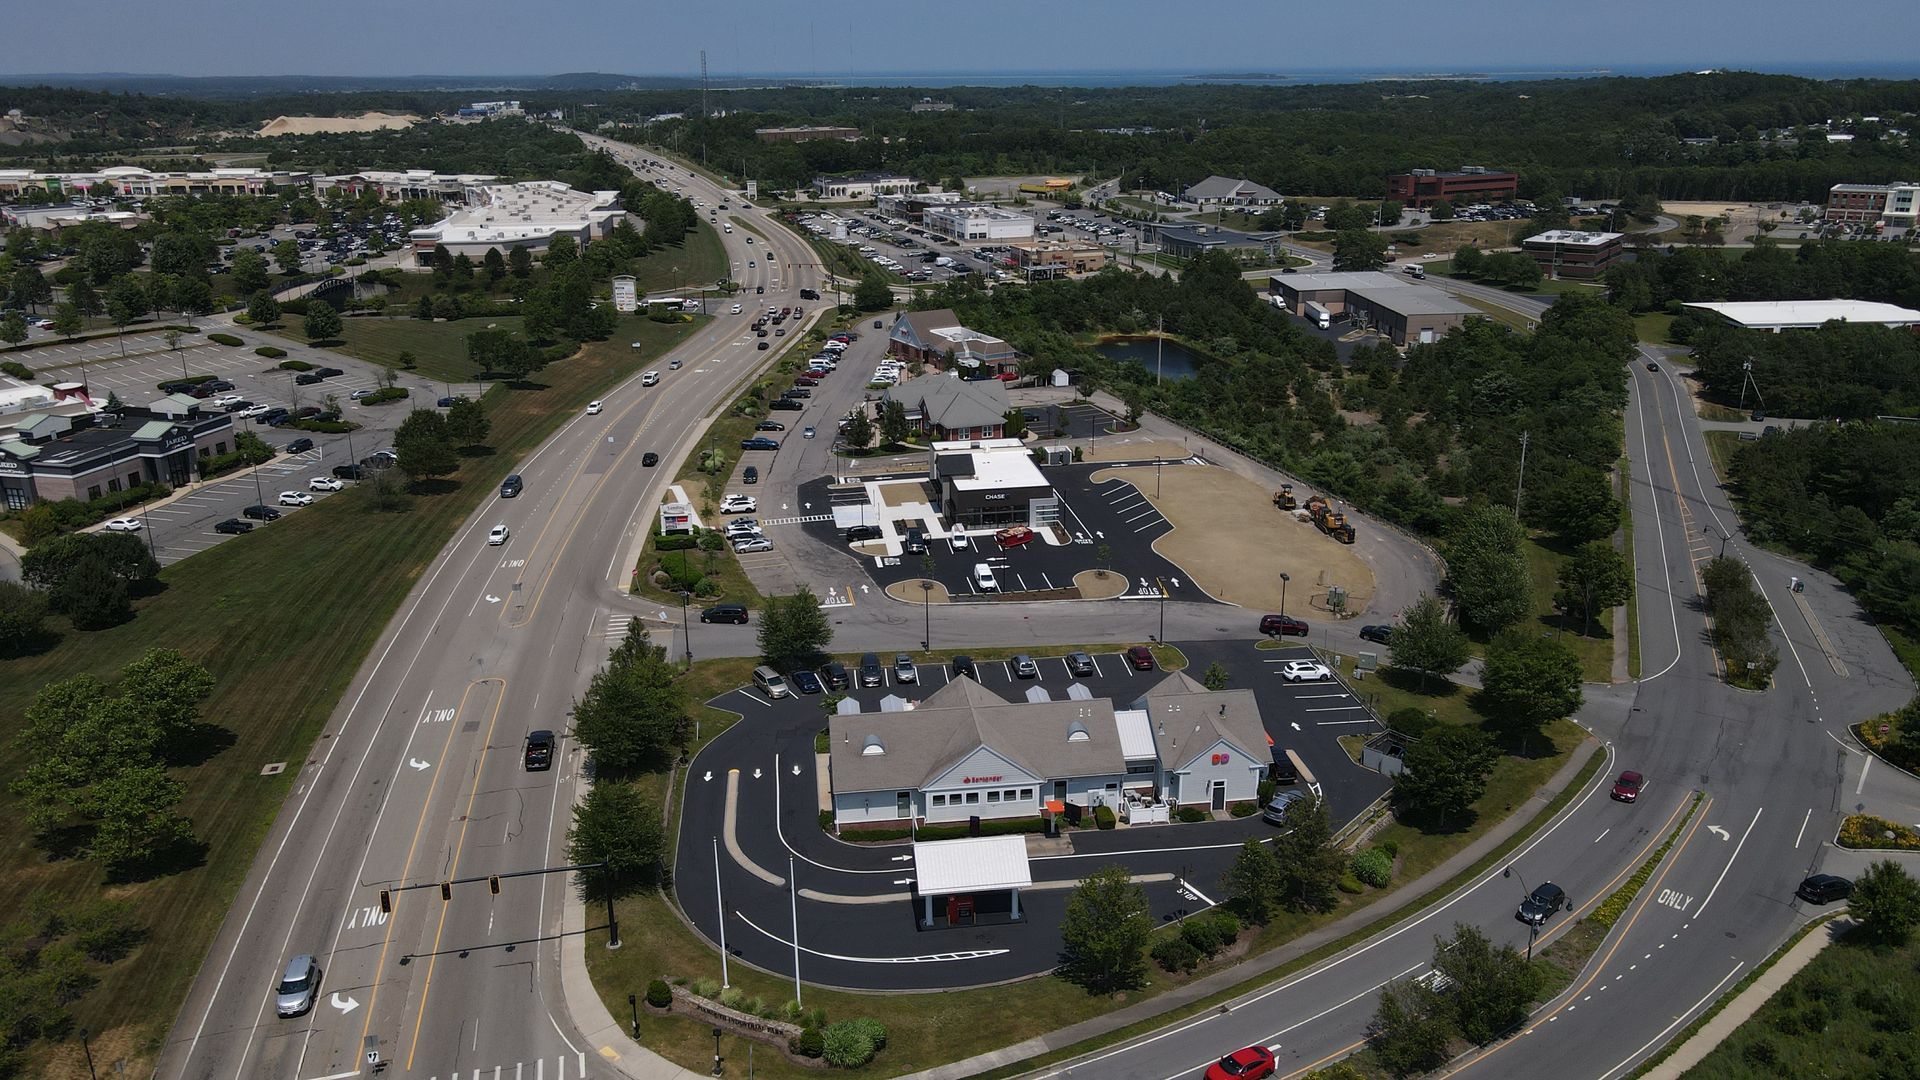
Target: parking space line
<point>1006,668</point>
<point>1096,666</point>
<point>1334,708</point>
<point>1337,723</point>
<point>1147,526</point>
<point>1150,513</point>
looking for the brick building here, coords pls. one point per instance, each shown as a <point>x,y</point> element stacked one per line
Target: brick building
<point>1422,188</point>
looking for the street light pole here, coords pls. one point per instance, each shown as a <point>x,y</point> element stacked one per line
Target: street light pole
<point>926,611</point>
<point>1284,578</point>
<point>720,906</point>
<point>793,905</point>
<point>686,628</point>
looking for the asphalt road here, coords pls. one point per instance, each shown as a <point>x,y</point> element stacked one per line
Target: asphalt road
<point>419,776</point>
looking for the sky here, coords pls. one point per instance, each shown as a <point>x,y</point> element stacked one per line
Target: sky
<point>835,38</point>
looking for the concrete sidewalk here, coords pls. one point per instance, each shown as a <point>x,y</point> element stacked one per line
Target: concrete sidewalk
<point>1742,1007</point>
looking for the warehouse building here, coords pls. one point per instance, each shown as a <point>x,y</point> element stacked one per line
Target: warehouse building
<point>1774,316</point>
<point>965,752</point>
<point>971,221</point>
<point>525,215</point>
<point>1421,188</point>
<point>806,134</point>
<point>1402,311</point>
<point>1573,255</point>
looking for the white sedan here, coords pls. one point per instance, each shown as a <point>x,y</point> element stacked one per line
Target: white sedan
<point>125,525</point>
<point>1305,671</point>
<point>225,400</point>
<point>295,498</point>
<point>498,536</point>
<point>255,410</point>
<point>593,408</point>
<point>324,483</point>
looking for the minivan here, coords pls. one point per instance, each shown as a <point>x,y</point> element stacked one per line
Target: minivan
<point>769,682</point>
<point>725,613</point>
<point>510,486</point>
<point>983,578</point>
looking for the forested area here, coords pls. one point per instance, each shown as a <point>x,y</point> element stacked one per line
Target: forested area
<point>1587,137</point>
<point>1847,371</point>
<point>1655,280</point>
<point>1450,416</point>
<point>1848,497</point>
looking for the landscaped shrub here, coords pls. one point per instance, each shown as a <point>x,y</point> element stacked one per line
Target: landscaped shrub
<point>1351,885</point>
<point>1103,817</point>
<point>847,1045</point>
<point>826,821</point>
<point>1190,814</point>
<point>18,370</point>
<point>273,353</point>
<point>1203,934</point>
<point>1867,831</point>
<point>285,365</point>
<point>1245,809</point>
<point>1373,866</point>
<point>875,1031</point>
<point>328,427</point>
<point>1226,923</point>
<point>675,541</point>
<point>384,395</point>
<point>1176,955</point>
<point>294,307</point>
<point>1391,847</point>
<point>808,1043</point>
<point>1409,721</point>
<point>659,994</point>
<point>226,339</point>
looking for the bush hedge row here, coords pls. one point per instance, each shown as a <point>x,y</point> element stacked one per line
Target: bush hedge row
<point>228,340</point>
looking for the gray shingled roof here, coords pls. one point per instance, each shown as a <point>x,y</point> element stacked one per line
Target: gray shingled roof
<point>1188,719</point>
<point>953,403</point>
<point>1226,187</point>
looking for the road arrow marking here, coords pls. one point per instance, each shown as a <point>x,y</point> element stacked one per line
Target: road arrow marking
<point>796,770</point>
<point>709,777</point>
<point>418,765</point>
<point>901,858</point>
<point>492,599</point>
<point>345,1005</point>
<point>756,774</point>
<point>865,589</point>
<point>1719,832</point>
<point>783,507</point>
<point>903,881</point>
<point>1295,725</point>
<point>1176,582</point>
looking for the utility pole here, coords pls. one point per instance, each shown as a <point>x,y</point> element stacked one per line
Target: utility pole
<point>703,91</point>
<point>1521,487</point>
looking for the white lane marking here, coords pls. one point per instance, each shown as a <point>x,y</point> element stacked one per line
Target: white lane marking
<point>1660,531</point>
<point>1843,745</point>
<point>1685,1014</point>
<point>929,958</point>
<point>1730,860</point>
<point>1803,828</point>
<point>1864,766</point>
<point>1602,836</point>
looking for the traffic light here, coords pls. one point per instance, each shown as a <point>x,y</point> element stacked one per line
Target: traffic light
<point>446,890</point>
<point>493,884</point>
<point>386,902</point>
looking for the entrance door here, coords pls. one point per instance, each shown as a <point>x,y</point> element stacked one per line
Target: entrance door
<point>1060,790</point>
<point>1219,794</point>
<point>903,804</point>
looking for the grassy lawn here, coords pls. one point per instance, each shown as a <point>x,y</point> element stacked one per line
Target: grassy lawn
<point>1137,206</point>
<point>925,1030</point>
<point>1561,288</point>
<point>1497,313</point>
<point>279,669</point>
<point>1720,447</point>
<point>1845,1014</point>
<point>1595,649</point>
<point>1721,414</point>
<point>843,261</point>
<point>699,260</point>
<point>1653,327</point>
<point>439,348</point>
<point>1633,600</point>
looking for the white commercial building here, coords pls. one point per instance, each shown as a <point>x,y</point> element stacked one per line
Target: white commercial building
<point>864,185</point>
<point>394,185</point>
<point>525,215</point>
<point>1777,315</point>
<point>971,221</point>
<point>136,182</point>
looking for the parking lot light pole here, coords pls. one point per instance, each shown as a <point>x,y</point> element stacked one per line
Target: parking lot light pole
<point>258,497</point>
<point>1533,929</point>
<point>686,629</point>
<point>926,611</point>
<point>1284,578</point>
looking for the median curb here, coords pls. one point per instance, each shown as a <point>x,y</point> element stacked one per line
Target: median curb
<point>1743,1005</point>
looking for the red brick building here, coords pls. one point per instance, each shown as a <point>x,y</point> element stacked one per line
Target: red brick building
<point>1856,204</point>
<point>1422,188</point>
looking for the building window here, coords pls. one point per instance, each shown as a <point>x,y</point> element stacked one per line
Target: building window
<point>206,452</point>
<point>939,800</point>
<point>113,485</point>
<point>1010,794</point>
<point>973,797</point>
<point>1026,793</point>
<point>993,796</point>
<point>93,492</point>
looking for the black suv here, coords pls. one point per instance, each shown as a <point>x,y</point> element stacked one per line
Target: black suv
<point>870,670</point>
<point>1542,903</point>
<point>511,486</point>
<point>234,527</point>
<point>307,378</point>
<point>836,675</point>
<point>346,472</point>
<point>261,513</point>
<point>539,750</point>
<point>857,533</point>
<point>1824,889</point>
<point>725,613</point>
<point>299,446</point>
<point>963,665</point>
<point>275,417</point>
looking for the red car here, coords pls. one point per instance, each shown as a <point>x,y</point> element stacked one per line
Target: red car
<point>1251,1063</point>
<point>1141,658</point>
<point>1627,788</point>
<point>805,380</point>
<point>1014,536</point>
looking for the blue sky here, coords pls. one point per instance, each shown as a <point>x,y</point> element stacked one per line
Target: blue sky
<point>835,37</point>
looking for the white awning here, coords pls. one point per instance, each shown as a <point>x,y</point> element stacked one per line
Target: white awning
<point>1079,692</point>
<point>1136,734</point>
<point>976,864</point>
<point>1038,693</point>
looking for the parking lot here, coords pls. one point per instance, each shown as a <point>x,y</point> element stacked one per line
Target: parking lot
<point>914,249</point>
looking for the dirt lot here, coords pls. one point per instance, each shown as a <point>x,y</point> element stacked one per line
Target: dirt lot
<point>1228,536</point>
<point>1139,446</point>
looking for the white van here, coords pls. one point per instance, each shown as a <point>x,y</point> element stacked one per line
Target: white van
<point>983,578</point>
<point>769,682</point>
<point>727,227</point>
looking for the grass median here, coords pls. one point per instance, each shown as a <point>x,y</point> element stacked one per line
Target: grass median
<point>283,618</point>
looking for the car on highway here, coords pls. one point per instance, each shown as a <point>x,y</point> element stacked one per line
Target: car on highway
<point>763,346</point>
<point>124,524</point>
<point>1140,657</point>
<point>808,433</point>
<point>1377,633</point>
<point>1824,889</point>
<point>259,512</point>
<point>870,670</point>
<point>649,459</point>
<point>497,536</point>
<point>295,498</point>
<point>299,987</point>
<point>509,488</point>
<point>1251,1063</point>
<point>759,442</point>
<point>1024,667</point>
<point>804,682</point>
<point>594,407</point>
<point>1079,663</point>
<point>539,754</point>
<point>1275,812</point>
<point>769,425</point>
<point>725,613</point>
<point>1540,904</point>
<point>1627,788</point>
<point>1282,625</point>
<point>737,504</point>
<point>650,378</point>
<point>751,545</point>
<point>835,674</point>
<point>1305,671</point>
<point>1014,536</point>
<point>736,309</point>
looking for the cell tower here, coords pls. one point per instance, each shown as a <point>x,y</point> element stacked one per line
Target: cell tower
<point>703,84</point>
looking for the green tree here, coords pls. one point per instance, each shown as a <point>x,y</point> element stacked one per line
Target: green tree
<point>423,308</point>
<point>496,265</point>
<point>1513,269</point>
<point>502,352</point>
<point>1527,682</point>
<point>67,321</point>
<point>1886,903</point>
<point>858,434</point>
<point>424,446</point>
<point>1216,676</point>
<point>1491,584</point>
<point>1441,211</point>
<point>467,423</point>
<point>1105,933</point>
<point>1014,424</point>
<point>23,614</point>
<point>83,296</point>
<point>1254,882</point>
<point>134,823</point>
<point>520,263</point>
<point>895,428</point>
<point>322,322</point>
<point>1494,987</point>
<point>1427,641</point>
<point>287,256</point>
<point>562,252</point>
<point>1445,773</point>
<point>194,297</point>
<point>633,716</point>
<point>126,301</point>
<point>1410,1029</point>
<point>263,310</point>
<point>1577,505</point>
<point>1467,261</point>
<point>462,276</point>
<point>794,632</point>
<point>249,273</point>
<point>1594,579</point>
<point>1310,863</point>
<point>13,328</point>
<point>872,294</point>
<point>29,287</point>
<point>91,597</point>
<point>1359,249</point>
<point>618,826</point>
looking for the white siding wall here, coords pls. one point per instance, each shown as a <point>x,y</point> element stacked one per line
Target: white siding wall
<point>857,807</point>
<point>1241,772</point>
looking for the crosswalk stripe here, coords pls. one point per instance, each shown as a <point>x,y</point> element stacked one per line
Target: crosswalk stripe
<point>808,519</point>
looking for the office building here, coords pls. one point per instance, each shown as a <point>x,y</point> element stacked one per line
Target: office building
<point>971,221</point>
<point>1890,207</point>
<point>1573,255</point>
<point>946,407</point>
<point>1226,191</point>
<point>806,134</point>
<point>930,337</point>
<point>1421,188</point>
